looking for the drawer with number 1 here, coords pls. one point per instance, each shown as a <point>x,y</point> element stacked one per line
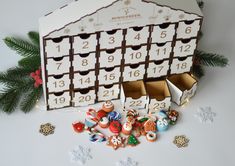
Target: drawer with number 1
<point>57,47</point>
<point>59,100</point>
<point>84,97</point>
<point>137,35</point>
<point>85,43</point>
<point>108,92</point>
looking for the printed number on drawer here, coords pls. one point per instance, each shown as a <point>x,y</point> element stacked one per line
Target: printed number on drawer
<point>84,80</point>
<point>59,100</point>
<point>157,70</point>
<point>58,83</point>
<point>160,52</point>
<point>108,93</point>
<point>58,66</point>
<point>179,66</point>
<point>57,47</point>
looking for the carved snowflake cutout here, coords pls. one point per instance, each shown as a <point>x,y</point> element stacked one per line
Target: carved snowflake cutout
<point>47,129</point>
<point>205,115</point>
<point>80,155</point>
<point>181,141</point>
<point>128,162</point>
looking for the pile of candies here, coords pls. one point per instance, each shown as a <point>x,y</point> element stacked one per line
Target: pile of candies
<point>125,133</point>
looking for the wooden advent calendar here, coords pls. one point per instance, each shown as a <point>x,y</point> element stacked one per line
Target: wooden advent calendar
<point>136,50</point>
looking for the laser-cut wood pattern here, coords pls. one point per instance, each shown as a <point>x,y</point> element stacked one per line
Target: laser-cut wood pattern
<point>89,48</point>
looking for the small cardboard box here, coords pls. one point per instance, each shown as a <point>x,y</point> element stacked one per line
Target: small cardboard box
<point>134,95</point>
<point>159,96</point>
<point>182,87</point>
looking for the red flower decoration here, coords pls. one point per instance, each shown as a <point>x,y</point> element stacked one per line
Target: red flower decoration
<point>37,77</point>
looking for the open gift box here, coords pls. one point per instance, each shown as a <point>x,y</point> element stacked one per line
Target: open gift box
<point>182,87</point>
<point>134,95</point>
<point>159,96</point>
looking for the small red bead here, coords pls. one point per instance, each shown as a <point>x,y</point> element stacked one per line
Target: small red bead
<point>78,127</point>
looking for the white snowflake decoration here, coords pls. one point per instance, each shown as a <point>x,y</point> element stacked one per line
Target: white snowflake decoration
<point>205,115</point>
<point>80,155</point>
<point>128,162</point>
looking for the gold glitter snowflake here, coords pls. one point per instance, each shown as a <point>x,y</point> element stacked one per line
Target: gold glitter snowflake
<point>181,141</point>
<point>47,129</point>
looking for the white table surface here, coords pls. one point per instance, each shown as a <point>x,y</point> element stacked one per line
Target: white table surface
<point>210,144</point>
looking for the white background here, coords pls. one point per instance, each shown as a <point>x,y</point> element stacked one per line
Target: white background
<point>210,144</point>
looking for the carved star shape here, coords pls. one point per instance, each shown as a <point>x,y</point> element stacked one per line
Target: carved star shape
<point>47,129</point>
<point>116,141</point>
<point>181,141</point>
<point>205,115</point>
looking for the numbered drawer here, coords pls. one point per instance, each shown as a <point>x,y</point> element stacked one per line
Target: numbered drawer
<point>133,95</point>
<point>110,58</point>
<point>84,62</point>
<point>58,66</point>
<point>57,47</point>
<point>185,47</point>
<point>59,100</point>
<point>58,83</point>
<point>159,96</point>
<point>84,97</point>
<point>181,65</point>
<point>84,79</point>
<point>135,54</point>
<point>182,87</point>
<point>109,76</point>
<point>163,33</point>
<point>108,92</point>
<point>133,72</point>
<point>111,39</point>
<point>85,43</point>
<point>188,29</point>
<point>158,69</point>
<point>160,51</point>
<point>137,36</point>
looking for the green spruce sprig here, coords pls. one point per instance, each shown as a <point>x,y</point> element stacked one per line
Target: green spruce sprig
<point>19,90</point>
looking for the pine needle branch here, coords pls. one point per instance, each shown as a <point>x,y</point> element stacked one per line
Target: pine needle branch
<point>211,60</point>
<point>30,63</point>
<point>30,99</point>
<point>34,37</point>
<point>22,47</point>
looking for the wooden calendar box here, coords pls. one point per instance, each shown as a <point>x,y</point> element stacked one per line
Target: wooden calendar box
<point>87,50</point>
<point>134,95</point>
<point>182,87</point>
<point>159,96</point>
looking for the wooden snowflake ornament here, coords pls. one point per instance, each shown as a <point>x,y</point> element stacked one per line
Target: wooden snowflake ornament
<point>47,129</point>
<point>181,141</point>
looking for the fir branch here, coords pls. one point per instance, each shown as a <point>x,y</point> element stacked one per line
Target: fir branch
<point>30,63</point>
<point>22,47</point>
<point>198,71</point>
<point>9,99</point>
<point>12,81</point>
<point>211,60</point>
<point>30,99</point>
<point>10,96</point>
<point>34,37</point>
